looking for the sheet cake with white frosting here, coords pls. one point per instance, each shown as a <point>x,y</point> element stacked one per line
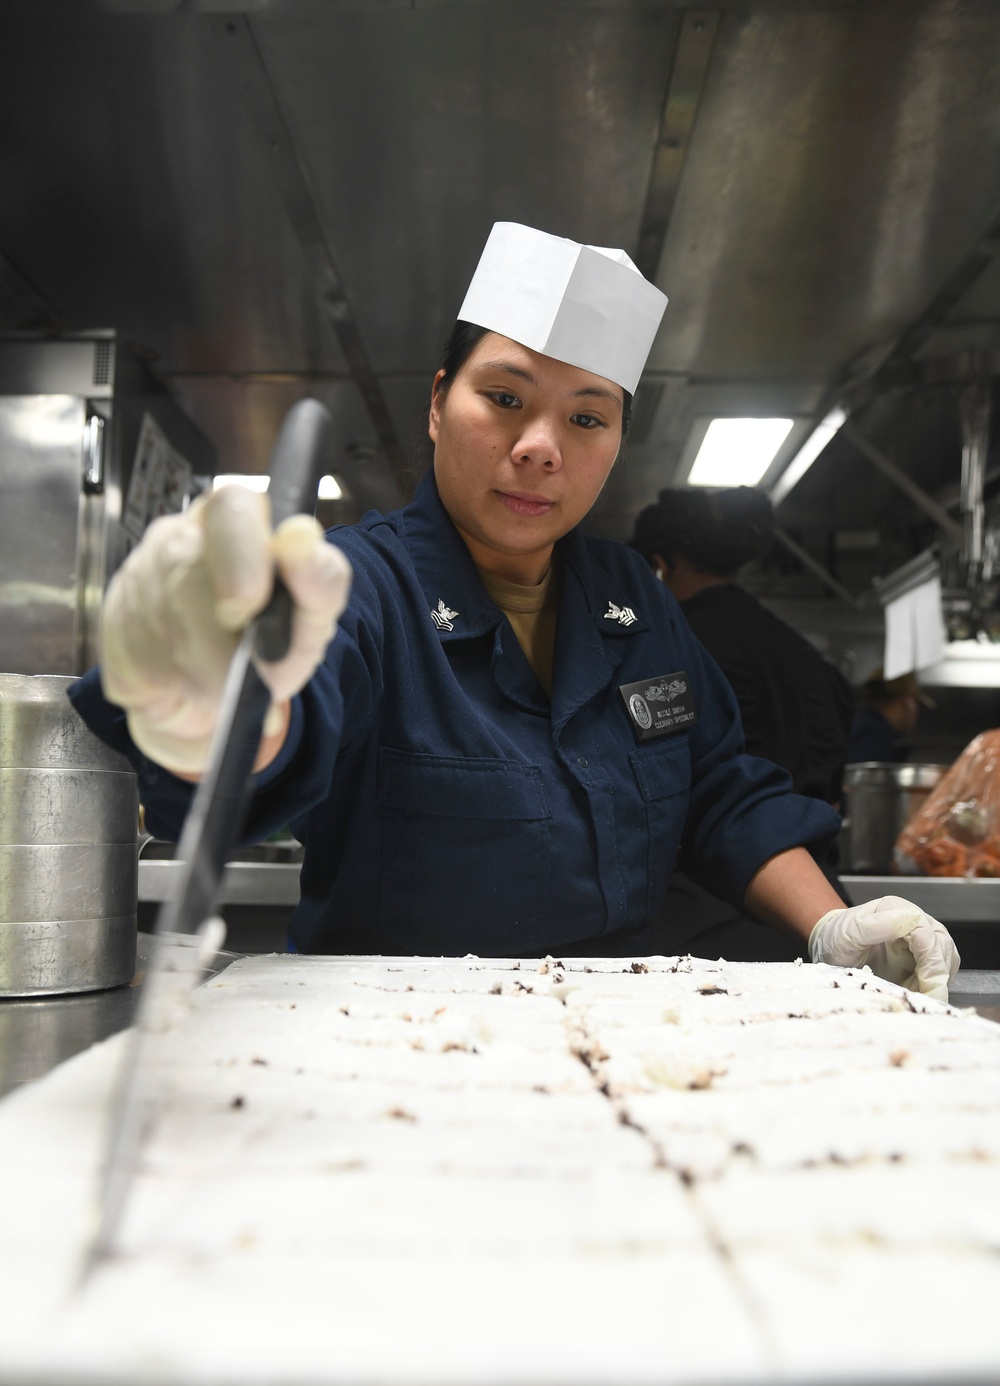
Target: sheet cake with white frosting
<point>587,1171</point>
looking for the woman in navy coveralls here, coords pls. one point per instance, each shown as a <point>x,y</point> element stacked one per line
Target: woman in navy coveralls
<point>448,804</point>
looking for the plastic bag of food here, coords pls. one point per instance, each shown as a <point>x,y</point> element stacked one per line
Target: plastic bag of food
<point>956,832</point>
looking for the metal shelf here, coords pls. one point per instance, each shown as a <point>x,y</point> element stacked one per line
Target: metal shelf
<point>244,883</point>
<point>951,900</point>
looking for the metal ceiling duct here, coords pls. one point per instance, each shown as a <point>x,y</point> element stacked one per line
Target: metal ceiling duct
<point>288,197</point>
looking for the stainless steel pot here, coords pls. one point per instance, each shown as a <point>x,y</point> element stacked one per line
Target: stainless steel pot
<point>68,846</point>
<point>879,800</point>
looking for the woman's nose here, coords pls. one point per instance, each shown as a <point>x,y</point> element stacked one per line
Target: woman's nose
<point>538,443</point>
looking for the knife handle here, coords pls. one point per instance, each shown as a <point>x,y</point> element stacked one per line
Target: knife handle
<point>297,462</point>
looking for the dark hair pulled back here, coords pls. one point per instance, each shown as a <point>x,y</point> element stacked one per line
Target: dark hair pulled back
<point>716,531</point>
<point>459,346</point>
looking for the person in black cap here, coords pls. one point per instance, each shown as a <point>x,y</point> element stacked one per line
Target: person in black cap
<point>795,706</point>
<point>886,718</point>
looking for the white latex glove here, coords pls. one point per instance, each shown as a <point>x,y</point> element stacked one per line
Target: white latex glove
<point>175,609</point>
<point>894,938</point>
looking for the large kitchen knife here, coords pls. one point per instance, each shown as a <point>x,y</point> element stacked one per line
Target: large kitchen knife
<point>186,934</point>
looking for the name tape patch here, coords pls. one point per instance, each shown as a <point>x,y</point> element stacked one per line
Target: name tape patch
<point>660,705</point>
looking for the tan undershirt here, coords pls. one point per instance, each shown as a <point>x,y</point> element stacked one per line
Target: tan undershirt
<point>531,612</point>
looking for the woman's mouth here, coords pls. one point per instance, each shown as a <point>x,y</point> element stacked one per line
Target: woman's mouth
<point>525,503</point>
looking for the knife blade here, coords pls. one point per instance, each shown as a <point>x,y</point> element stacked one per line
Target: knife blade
<point>187,934</point>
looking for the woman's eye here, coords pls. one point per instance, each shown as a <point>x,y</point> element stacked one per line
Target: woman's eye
<point>504,399</point>
<point>587,421</point>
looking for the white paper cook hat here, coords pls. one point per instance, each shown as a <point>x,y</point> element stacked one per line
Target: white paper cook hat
<point>582,304</point>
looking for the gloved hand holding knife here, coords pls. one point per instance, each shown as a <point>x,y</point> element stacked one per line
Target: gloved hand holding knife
<point>199,684</point>
<point>175,610</point>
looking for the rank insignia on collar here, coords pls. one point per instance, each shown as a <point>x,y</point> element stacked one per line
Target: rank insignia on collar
<point>444,617</point>
<point>624,615</point>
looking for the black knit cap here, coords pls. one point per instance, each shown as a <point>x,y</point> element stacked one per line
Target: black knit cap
<point>716,531</point>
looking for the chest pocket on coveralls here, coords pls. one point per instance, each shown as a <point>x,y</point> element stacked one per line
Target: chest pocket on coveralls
<point>663,774</point>
<point>466,853</point>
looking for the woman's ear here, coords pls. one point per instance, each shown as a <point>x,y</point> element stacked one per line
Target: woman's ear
<point>437,400</point>
<point>661,567</point>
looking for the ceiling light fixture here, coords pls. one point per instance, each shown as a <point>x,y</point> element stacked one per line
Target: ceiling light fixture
<point>814,444</point>
<point>737,452</point>
<point>252,483</point>
<point>329,487</point>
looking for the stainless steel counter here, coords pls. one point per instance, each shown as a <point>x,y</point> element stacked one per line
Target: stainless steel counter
<point>980,990</point>
<point>277,883</point>
<point>951,901</point>
<point>40,1032</point>
<point>37,1034</point>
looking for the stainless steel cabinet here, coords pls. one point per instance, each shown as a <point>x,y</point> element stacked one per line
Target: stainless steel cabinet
<point>71,411</point>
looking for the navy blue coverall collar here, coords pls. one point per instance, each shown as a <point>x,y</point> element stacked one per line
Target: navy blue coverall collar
<point>593,626</point>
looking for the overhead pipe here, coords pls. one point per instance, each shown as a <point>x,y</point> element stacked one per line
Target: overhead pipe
<point>815,567</point>
<point>974,407</point>
<point>916,572</point>
<point>692,57</point>
<point>248,70</point>
<point>899,478</point>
